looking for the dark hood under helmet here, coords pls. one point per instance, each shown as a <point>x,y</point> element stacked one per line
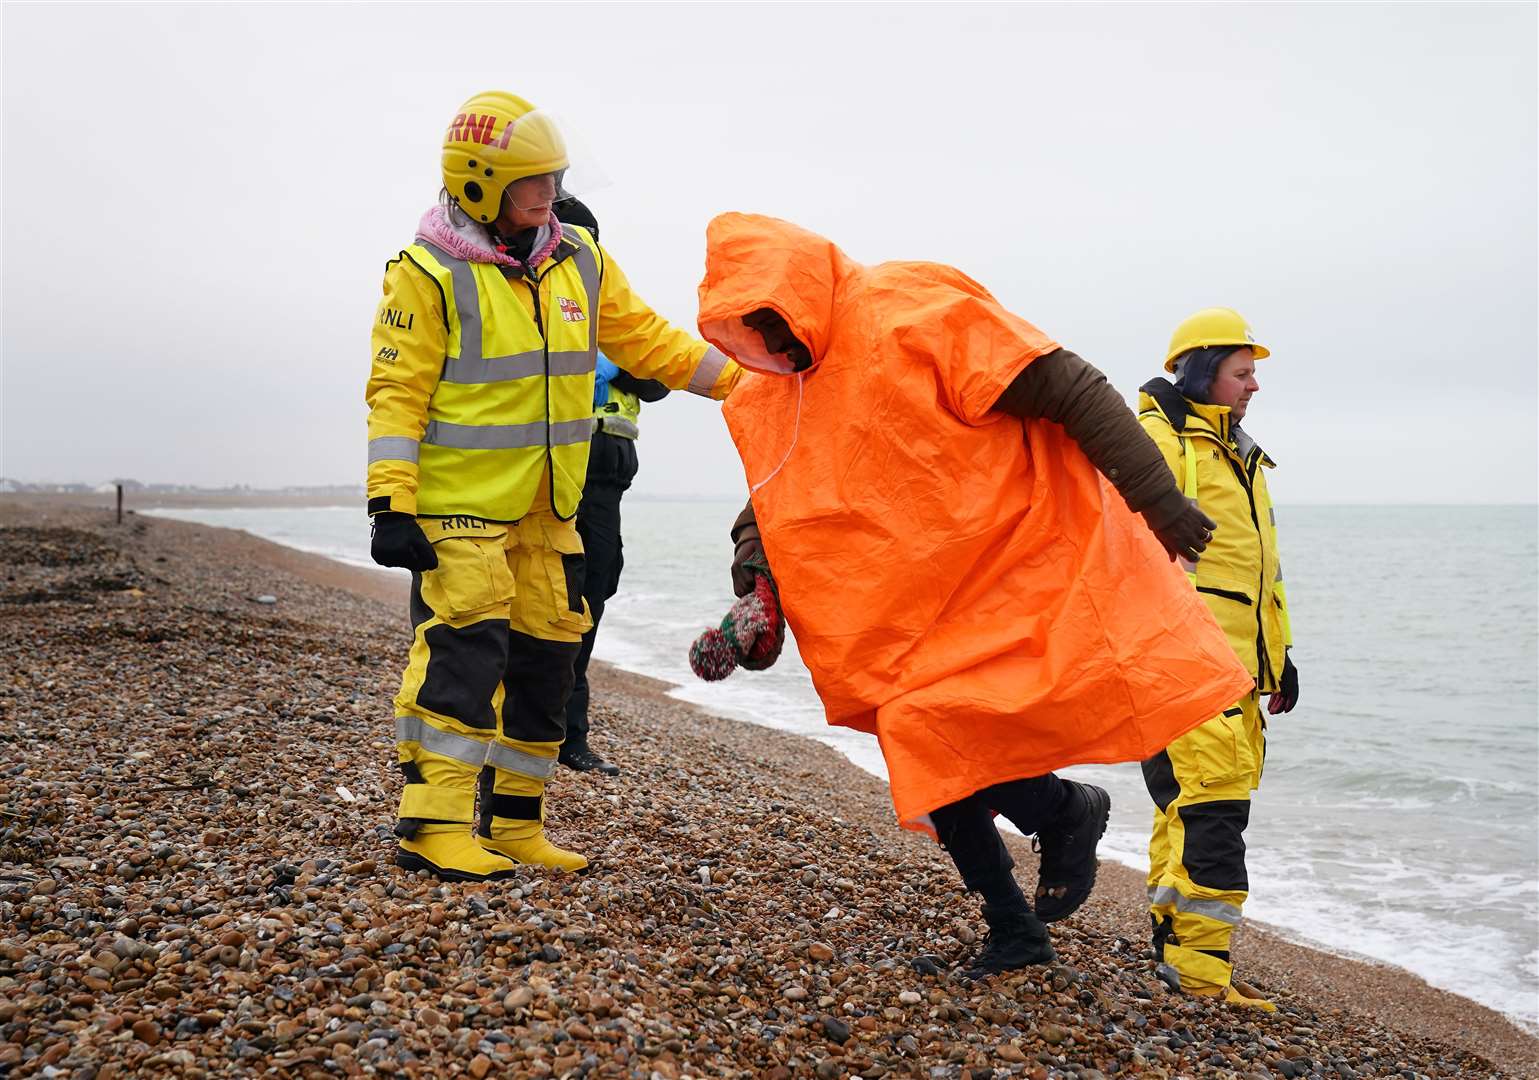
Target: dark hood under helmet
<point>1196,368</point>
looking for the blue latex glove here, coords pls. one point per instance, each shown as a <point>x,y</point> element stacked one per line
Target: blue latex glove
<point>605,371</point>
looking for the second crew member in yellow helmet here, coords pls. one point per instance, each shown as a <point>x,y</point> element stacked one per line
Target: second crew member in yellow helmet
<point>480,412</point>
<point>1201,783</point>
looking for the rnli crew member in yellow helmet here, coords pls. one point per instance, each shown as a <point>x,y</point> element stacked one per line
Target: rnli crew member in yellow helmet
<point>480,412</point>
<point>1201,782</point>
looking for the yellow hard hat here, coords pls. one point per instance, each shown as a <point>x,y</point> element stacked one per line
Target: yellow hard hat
<point>494,139</point>
<point>1212,326</point>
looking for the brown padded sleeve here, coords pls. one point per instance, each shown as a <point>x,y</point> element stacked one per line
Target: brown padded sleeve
<point>1063,388</point>
<point>746,527</point>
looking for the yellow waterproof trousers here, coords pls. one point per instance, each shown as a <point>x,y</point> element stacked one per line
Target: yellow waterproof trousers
<point>483,701</point>
<point>1201,786</point>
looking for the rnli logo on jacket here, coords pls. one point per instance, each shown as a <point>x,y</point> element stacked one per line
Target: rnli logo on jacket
<point>571,311</point>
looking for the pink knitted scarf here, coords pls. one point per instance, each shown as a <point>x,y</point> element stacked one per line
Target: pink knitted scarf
<point>474,244</point>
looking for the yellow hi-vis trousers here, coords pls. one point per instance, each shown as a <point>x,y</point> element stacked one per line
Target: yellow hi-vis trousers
<point>1201,786</point>
<point>496,628</point>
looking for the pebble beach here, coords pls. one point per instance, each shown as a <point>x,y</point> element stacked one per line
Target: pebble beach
<point>197,787</point>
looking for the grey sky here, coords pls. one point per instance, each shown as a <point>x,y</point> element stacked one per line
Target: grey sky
<point>199,202</point>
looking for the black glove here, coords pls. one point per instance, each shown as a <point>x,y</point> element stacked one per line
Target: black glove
<point>1180,525</point>
<point>399,541</point>
<point>1287,694</point>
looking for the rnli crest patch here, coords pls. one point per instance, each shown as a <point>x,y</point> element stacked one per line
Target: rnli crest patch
<point>571,310</point>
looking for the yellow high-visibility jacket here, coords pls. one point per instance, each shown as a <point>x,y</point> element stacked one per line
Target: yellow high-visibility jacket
<point>481,390</point>
<point>1239,574</point>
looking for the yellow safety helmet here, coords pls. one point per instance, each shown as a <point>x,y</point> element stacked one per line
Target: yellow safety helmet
<point>494,139</point>
<point>1212,326</point>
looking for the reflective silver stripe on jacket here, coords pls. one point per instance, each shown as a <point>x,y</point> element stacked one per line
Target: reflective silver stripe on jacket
<point>506,436</point>
<point>443,743</point>
<point>467,302</point>
<point>711,366</point>
<point>567,432</point>
<point>470,366</point>
<point>1218,910</point>
<point>477,369</point>
<point>619,425</point>
<point>510,760</point>
<point>588,270</point>
<point>490,369</point>
<point>586,261</point>
<point>392,448</point>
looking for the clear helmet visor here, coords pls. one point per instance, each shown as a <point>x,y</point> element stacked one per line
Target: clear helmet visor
<point>534,192</point>
<point>578,177</point>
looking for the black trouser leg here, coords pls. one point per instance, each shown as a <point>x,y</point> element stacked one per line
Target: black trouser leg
<point>577,705</point>
<point>536,682</point>
<point>536,685</point>
<point>966,830</point>
<point>598,523</point>
<point>1030,805</point>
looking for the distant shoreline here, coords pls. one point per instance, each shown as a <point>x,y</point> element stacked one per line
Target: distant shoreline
<point>258,500</point>
<point>145,500</point>
<point>248,500</point>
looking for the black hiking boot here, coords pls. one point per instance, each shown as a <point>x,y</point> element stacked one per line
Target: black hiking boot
<point>1068,847</point>
<point>580,757</point>
<point>1016,939</point>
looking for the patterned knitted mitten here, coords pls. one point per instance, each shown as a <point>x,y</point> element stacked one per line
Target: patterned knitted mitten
<point>751,635</point>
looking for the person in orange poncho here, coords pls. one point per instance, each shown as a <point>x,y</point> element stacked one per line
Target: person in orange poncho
<point>926,477</point>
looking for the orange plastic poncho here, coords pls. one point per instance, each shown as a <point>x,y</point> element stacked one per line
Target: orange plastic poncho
<point>972,593</point>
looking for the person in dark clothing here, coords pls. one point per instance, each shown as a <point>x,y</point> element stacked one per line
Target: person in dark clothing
<point>612,466</point>
<point>617,398</point>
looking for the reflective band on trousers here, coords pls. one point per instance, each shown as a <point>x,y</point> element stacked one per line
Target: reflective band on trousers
<point>711,366</point>
<point>392,448</point>
<point>1217,910</point>
<point>507,436</point>
<point>510,760</point>
<point>467,369</point>
<point>443,743</point>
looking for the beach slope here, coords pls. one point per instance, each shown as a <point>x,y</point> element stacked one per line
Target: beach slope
<point>196,794</point>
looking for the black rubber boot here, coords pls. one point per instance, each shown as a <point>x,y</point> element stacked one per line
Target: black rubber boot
<point>580,757</point>
<point>1164,931</point>
<point>1016,939</point>
<point>1068,853</point>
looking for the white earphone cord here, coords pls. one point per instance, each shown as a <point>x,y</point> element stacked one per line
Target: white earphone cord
<point>795,433</point>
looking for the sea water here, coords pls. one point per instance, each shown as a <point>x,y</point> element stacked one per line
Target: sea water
<point>1399,814</point>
